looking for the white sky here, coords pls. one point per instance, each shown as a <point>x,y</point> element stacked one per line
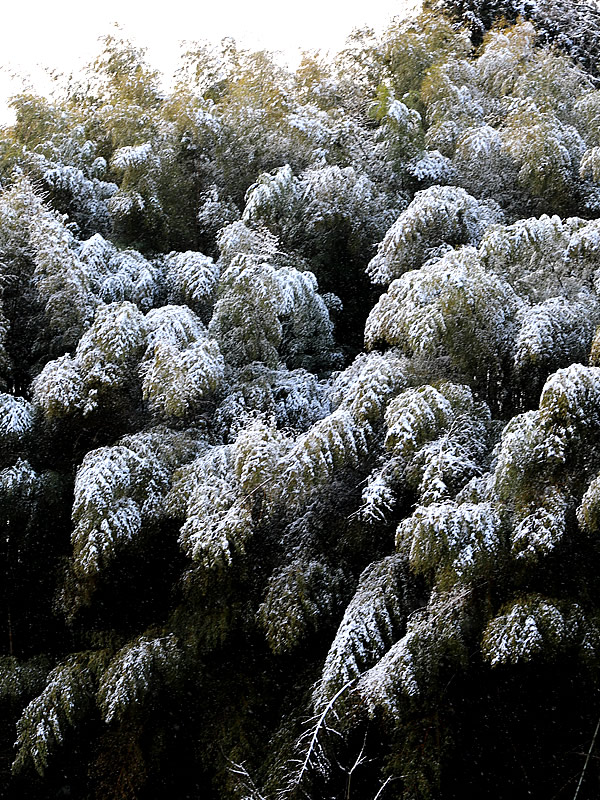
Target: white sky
<point>63,34</point>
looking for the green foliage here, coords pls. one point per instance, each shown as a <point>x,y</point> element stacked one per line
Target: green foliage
<point>374,619</point>
<point>528,629</point>
<point>62,705</point>
<point>130,675</point>
<point>298,598</point>
<point>247,552</point>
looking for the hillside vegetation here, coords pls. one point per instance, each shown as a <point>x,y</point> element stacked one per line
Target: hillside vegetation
<point>300,419</point>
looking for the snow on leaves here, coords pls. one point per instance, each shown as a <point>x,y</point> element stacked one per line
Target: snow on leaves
<point>116,490</point>
<point>453,308</point>
<point>437,437</point>
<point>192,278</point>
<point>119,275</point>
<point>182,364</point>
<point>217,518</point>
<point>554,334</point>
<point>445,536</point>
<point>16,417</point>
<point>373,620</point>
<point>168,349</point>
<point>103,362</point>
<point>527,630</point>
<point>433,643</point>
<point>436,216</point>
<point>299,596</point>
<point>134,672</point>
<point>571,400</point>
<point>62,705</point>
<point>294,398</point>
<point>588,512</point>
<point>537,532</point>
<point>272,315</point>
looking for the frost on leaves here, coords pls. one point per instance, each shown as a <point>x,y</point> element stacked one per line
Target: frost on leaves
<point>134,672</point>
<point>438,215</point>
<point>374,619</point>
<point>528,629</point>
<point>63,704</point>
<point>434,642</point>
<point>115,490</point>
<point>299,597</point>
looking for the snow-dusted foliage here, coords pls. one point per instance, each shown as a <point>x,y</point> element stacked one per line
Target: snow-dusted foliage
<point>437,439</point>
<point>425,313</point>
<point>546,257</point>
<point>528,629</point>
<point>192,278</point>
<point>62,282</point>
<point>441,215</point>
<point>333,197</point>
<point>59,389</point>
<point>62,705</point>
<point>589,166</point>
<point>294,398</point>
<point>416,416</point>
<point>374,619</point>
<point>433,641</point>
<point>367,385</point>
<point>20,481</point>
<point>527,451</point>
<point>119,275</point>
<point>571,400</point>
<point>554,334</point>
<point>254,246</point>
<point>16,417</point>
<point>546,151</point>
<point>271,198</point>
<point>178,363</point>
<point>4,359</point>
<point>103,363</point>
<point>299,597</point>
<point>131,157</point>
<point>341,440</point>
<point>204,495</point>
<point>182,364</point>
<point>22,679</point>
<point>116,489</point>
<point>464,539</point>
<point>336,442</point>
<point>245,551</point>
<point>133,673</point>
<point>272,315</point>
<point>218,495</point>
<point>537,529</point>
<point>589,510</point>
<point>432,168</point>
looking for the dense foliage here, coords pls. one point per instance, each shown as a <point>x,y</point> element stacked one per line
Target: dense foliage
<point>300,419</point>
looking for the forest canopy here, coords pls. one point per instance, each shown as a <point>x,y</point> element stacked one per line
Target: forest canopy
<point>300,418</point>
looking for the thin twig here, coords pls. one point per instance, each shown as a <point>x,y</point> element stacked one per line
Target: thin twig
<point>357,763</point>
<point>587,759</point>
<point>383,785</point>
